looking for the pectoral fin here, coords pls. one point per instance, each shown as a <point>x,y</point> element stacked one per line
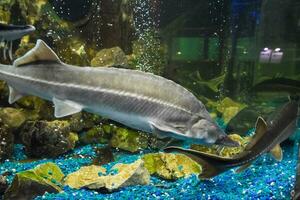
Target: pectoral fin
<point>64,107</point>
<point>260,129</point>
<point>14,95</point>
<point>164,130</point>
<point>243,168</point>
<point>276,152</point>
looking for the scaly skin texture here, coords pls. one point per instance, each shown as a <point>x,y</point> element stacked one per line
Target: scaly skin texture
<point>137,99</point>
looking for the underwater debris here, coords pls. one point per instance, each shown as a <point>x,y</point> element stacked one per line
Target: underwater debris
<point>47,139</point>
<point>121,175</point>
<point>170,166</point>
<point>128,140</point>
<point>6,142</point>
<point>110,57</point>
<point>35,182</point>
<point>3,184</point>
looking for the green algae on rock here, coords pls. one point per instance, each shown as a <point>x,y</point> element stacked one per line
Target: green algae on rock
<point>170,166</point>
<point>110,57</point>
<point>47,139</point>
<point>83,121</point>
<point>15,117</point>
<point>95,135</point>
<point>43,109</point>
<point>6,142</point>
<point>129,140</point>
<point>227,107</point>
<point>226,151</point>
<point>35,182</point>
<point>96,177</point>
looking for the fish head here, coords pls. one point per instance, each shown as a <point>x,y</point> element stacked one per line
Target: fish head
<point>29,29</point>
<point>208,132</point>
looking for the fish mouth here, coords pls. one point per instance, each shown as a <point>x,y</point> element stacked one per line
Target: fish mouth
<point>224,140</point>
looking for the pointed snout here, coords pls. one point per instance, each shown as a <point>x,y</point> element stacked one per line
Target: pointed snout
<point>30,28</point>
<point>224,140</point>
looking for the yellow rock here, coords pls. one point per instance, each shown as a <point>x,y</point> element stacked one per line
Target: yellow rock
<point>126,175</point>
<point>224,151</point>
<point>84,176</point>
<point>227,107</point>
<point>170,166</point>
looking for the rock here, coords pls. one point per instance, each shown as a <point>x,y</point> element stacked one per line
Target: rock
<point>121,175</point>
<point>6,142</point>
<point>41,108</point>
<point>47,139</point>
<point>15,117</point>
<point>104,155</point>
<point>129,140</point>
<point>84,176</point>
<point>110,57</point>
<point>227,107</point>
<point>83,121</point>
<point>245,120</point>
<point>170,166</point>
<point>35,182</point>
<point>4,94</point>
<point>225,151</point>
<point>3,184</point>
<point>95,135</point>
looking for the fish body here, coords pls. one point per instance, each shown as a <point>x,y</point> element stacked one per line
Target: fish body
<point>267,138</point>
<point>9,33</point>
<point>136,99</point>
<point>278,85</point>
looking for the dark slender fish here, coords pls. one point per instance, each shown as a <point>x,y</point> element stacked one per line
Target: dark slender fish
<point>9,33</point>
<point>136,99</point>
<point>267,138</point>
<point>278,85</point>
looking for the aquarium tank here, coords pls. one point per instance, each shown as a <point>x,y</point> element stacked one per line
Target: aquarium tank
<point>149,99</point>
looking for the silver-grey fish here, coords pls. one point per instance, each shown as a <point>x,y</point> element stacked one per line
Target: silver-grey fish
<point>136,99</point>
<point>9,33</point>
<point>268,136</point>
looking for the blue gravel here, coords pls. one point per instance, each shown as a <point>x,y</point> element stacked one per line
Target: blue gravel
<point>265,179</point>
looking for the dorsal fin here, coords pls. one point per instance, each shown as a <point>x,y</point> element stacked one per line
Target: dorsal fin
<point>41,52</point>
<point>260,129</point>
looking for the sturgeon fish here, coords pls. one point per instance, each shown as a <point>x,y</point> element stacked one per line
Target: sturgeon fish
<point>267,137</point>
<point>136,99</point>
<point>9,33</point>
